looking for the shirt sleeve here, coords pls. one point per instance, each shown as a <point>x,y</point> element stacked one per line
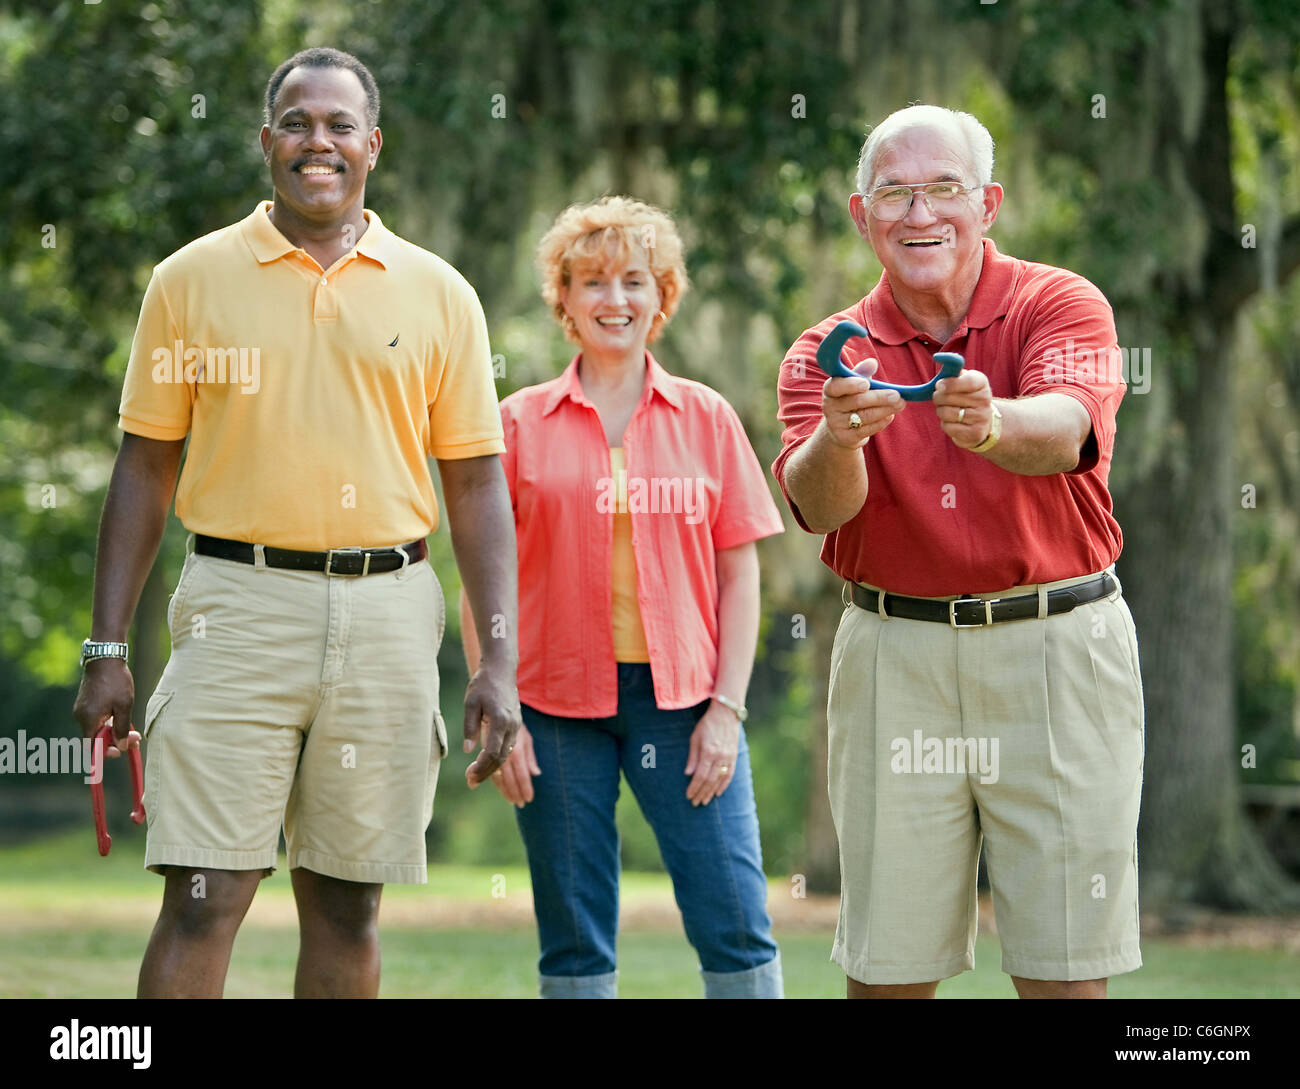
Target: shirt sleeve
<point>1072,348</point>
<point>464,421</point>
<point>157,402</point>
<point>745,510</point>
<point>799,402</point>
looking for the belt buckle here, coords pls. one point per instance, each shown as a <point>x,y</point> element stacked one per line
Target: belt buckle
<point>988,604</point>
<point>329,560</point>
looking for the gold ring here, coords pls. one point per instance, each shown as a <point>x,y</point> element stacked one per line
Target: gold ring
<point>855,421</point>
<point>961,414</point>
<point>722,768</point>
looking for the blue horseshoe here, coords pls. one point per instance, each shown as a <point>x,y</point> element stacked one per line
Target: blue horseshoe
<point>828,358</point>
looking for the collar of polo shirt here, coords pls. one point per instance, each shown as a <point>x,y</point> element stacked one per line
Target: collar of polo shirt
<point>992,300</point>
<point>267,244</point>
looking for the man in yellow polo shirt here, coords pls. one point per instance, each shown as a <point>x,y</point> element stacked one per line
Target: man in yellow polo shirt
<point>314,360</point>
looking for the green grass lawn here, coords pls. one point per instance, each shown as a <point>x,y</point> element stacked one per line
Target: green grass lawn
<point>75,925</point>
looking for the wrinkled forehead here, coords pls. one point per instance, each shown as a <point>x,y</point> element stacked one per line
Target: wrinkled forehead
<point>922,153</point>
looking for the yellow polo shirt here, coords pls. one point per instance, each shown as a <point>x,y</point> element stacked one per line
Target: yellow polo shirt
<point>311,397</point>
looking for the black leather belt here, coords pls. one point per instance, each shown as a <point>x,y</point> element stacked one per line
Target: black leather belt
<point>337,561</point>
<point>976,612</point>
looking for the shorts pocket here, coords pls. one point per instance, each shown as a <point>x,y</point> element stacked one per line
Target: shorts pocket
<point>442,610</point>
<point>154,708</point>
<point>177,602</point>
<point>153,753</point>
<point>1131,628</point>
<point>440,733</point>
<point>1104,634</point>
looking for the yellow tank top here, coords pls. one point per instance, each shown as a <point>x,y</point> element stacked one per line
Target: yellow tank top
<point>629,633</point>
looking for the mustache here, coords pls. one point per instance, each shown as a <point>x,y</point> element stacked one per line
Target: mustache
<point>298,164</point>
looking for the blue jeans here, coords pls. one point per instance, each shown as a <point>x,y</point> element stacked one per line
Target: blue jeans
<point>711,851</point>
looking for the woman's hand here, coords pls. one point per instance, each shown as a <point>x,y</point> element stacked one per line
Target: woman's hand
<point>514,778</point>
<point>715,741</point>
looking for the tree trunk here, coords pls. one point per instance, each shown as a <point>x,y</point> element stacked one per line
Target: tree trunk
<point>1196,844</point>
<point>1177,572</point>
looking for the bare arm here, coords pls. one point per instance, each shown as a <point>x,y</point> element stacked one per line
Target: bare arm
<point>715,742</point>
<point>483,538</point>
<point>738,610</point>
<point>1041,435</point>
<point>469,634</point>
<point>130,531</point>
<point>827,481</point>
<point>827,476</point>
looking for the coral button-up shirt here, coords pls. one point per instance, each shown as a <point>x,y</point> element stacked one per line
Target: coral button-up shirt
<point>694,487</point>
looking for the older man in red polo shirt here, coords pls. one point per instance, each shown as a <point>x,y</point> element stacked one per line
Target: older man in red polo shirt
<point>985,688</point>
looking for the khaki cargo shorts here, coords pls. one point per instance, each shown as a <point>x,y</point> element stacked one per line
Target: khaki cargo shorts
<point>296,700</point>
<point>1023,737</point>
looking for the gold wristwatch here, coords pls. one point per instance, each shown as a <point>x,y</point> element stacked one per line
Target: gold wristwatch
<point>995,433</point>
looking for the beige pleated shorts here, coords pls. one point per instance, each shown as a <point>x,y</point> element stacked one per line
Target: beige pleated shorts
<point>298,701</point>
<point>1023,737</point>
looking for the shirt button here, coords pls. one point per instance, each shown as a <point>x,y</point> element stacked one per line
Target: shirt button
<point>324,281</point>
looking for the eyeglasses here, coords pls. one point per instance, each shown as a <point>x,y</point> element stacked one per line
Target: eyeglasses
<point>893,202</point>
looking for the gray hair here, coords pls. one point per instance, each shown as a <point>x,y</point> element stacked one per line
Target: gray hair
<point>979,144</point>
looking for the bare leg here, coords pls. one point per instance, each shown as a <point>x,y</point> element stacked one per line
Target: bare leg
<point>1053,988</point>
<point>338,952</point>
<point>891,990</point>
<point>189,950</point>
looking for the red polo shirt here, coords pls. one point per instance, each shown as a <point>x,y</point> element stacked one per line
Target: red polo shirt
<point>694,488</point>
<point>940,520</point>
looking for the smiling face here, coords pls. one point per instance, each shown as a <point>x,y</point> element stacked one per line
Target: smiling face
<point>612,307</point>
<point>318,145</point>
<point>925,253</point>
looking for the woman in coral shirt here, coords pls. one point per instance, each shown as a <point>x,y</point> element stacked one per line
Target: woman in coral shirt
<point>637,501</point>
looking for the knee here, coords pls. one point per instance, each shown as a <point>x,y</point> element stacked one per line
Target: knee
<point>353,927</point>
<point>201,904</point>
<point>733,940</point>
<point>727,920</point>
<point>344,916</point>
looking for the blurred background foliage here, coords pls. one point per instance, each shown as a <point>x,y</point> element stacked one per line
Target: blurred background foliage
<point>1150,145</point>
